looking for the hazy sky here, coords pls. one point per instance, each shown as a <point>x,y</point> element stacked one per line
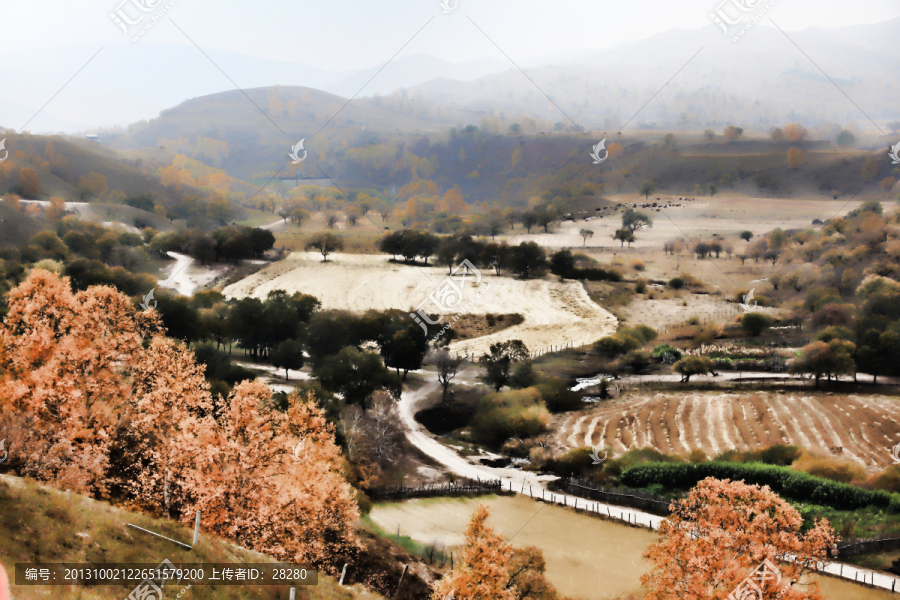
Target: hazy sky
<point>340,35</point>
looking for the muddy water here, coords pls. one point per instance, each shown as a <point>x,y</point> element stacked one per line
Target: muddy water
<point>586,557</point>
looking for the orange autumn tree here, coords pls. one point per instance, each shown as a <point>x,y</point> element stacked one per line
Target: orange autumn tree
<point>61,389</point>
<point>272,480</point>
<point>169,393</point>
<point>491,568</point>
<point>94,398</point>
<point>722,532</point>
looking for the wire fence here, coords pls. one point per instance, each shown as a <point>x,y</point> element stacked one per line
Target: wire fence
<point>427,490</point>
<point>619,496</point>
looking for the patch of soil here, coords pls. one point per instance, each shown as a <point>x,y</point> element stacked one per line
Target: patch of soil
<point>471,326</point>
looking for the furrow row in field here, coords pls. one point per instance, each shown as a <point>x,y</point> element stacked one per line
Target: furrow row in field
<point>858,428</point>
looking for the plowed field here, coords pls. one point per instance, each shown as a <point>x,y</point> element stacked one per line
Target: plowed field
<point>865,428</point>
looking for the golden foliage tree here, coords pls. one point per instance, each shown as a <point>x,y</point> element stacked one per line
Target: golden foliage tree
<point>30,182</point>
<point>95,182</point>
<point>95,399</point>
<point>722,532</point>
<point>795,132</point>
<point>67,391</point>
<point>615,149</point>
<point>272,480</point>
<point>491,568</point>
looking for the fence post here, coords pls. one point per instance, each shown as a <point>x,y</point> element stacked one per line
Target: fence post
<point>196,530</point>
<point>405,567</point>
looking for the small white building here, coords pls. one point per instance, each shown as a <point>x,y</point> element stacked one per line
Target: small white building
<point>93,138</point>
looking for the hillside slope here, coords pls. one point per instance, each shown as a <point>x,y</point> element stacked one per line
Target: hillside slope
<point>39,524</point>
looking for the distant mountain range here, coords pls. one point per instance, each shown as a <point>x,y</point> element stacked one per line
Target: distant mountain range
<point>686,79</point>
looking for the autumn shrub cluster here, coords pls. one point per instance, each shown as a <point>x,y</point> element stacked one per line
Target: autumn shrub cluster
<point>94,398</point>
<point>504,415</point>
<point>625,340</point>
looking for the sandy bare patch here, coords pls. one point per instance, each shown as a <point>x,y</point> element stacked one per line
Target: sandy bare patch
<point>555,313</point>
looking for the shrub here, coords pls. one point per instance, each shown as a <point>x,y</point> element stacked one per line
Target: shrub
<point>637,265</point>
<point>637,360</point>
<point>836,332</point>
<point>363,502</point>
<point>503,415</point>
<point>697,455</point>
<point>784,481</point>
<point>662,349</point>
<point>523,376</point>
<point>642,332</point>
<point>888,480</point>
<point>615,345</point>
<point>779,454</point>
<point>832,314</point>
<point>640,286</point>
<point>637,456</point>
<point>755,323</point>
<point>558,397</point>
<point>676,283</point>
<point>829,467</point>
<point>690,280</point>
<point>573,462</point>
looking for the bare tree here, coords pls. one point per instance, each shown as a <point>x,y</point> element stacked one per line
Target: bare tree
<point>585,234</point>
<point>382,420</point>
<point>447,368</point>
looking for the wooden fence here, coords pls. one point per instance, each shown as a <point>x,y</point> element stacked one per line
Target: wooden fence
<point>619,496</point>
<point>883,543</point>
<point>426,490</point>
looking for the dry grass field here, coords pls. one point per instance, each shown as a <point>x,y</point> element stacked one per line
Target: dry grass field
<point>554,312</point>
<point>723,214</point>
<point>865,427</point>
